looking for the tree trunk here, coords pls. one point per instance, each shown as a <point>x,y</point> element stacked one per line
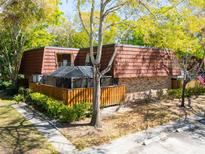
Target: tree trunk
<point>95,121</point>
<point>183,93</point>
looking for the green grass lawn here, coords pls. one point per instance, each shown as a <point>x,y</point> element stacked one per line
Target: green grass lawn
<point>17,135</point>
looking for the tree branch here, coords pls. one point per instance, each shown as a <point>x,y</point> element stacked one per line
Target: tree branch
<point>113,9</point>
<point>107,2</point>
<point>146,7</point>
<point>117,23</point>
<point>91,32</point>
<point>109,66</point>
<point>100,33</point>
<point>81,18</point>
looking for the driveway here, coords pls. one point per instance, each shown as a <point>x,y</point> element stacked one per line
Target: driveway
<point>189,142</point>
<point>176,138</point>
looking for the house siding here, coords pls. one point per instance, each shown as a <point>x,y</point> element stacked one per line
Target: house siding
<point>81,57</point>
<point>32,62</point>
<point>50,59</point>
<point>43,60</point>
<point>107,52</point>
<point>132,62</point>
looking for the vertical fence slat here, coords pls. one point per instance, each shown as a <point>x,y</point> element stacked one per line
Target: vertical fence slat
<point>102,97</point>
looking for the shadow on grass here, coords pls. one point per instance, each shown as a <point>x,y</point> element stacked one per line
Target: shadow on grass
<point>17,135</point>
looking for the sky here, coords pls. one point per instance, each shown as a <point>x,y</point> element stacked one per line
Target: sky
<point>68,8</point>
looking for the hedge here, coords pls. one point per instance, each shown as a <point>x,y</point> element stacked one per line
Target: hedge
<point>57,110</point>
<point>189,92</point>
<point>53,108</point>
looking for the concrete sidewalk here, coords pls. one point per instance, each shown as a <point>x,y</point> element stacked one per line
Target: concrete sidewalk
<point>60,143</point>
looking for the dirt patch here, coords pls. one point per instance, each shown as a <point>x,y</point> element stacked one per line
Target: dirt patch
<point>141,117</point>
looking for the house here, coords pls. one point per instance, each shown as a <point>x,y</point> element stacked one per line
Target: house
<point>139,68</point>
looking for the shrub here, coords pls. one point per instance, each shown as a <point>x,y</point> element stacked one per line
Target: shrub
<point>66,114</point>
<point>44,103</point>
<point>21,90</point>
<point>198,90</point>
<point>5,85</point>
<point>23,95</point>
<point>80,110</point>
<point>57,110</point>
<point>51,107</point>
<point>176,93</point>
<point>19,98</point>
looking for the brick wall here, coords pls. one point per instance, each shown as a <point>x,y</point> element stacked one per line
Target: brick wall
<point>145,83</point>
<point>144,87</point>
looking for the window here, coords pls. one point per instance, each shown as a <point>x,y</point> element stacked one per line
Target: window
<point>64,60</point>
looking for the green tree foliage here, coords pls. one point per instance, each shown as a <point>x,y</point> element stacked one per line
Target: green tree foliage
<point>133,36</point>
<point>112,24</point>
<point>39,36</point>
<point>66,35</point>
<point>176,28</point>
<point>23,25</point>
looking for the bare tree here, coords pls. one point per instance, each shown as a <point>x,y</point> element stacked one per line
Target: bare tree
<point>105,7</point>
<point>191,67</point>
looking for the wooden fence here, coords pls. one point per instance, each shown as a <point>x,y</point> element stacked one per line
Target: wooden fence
<point>111,95</point>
